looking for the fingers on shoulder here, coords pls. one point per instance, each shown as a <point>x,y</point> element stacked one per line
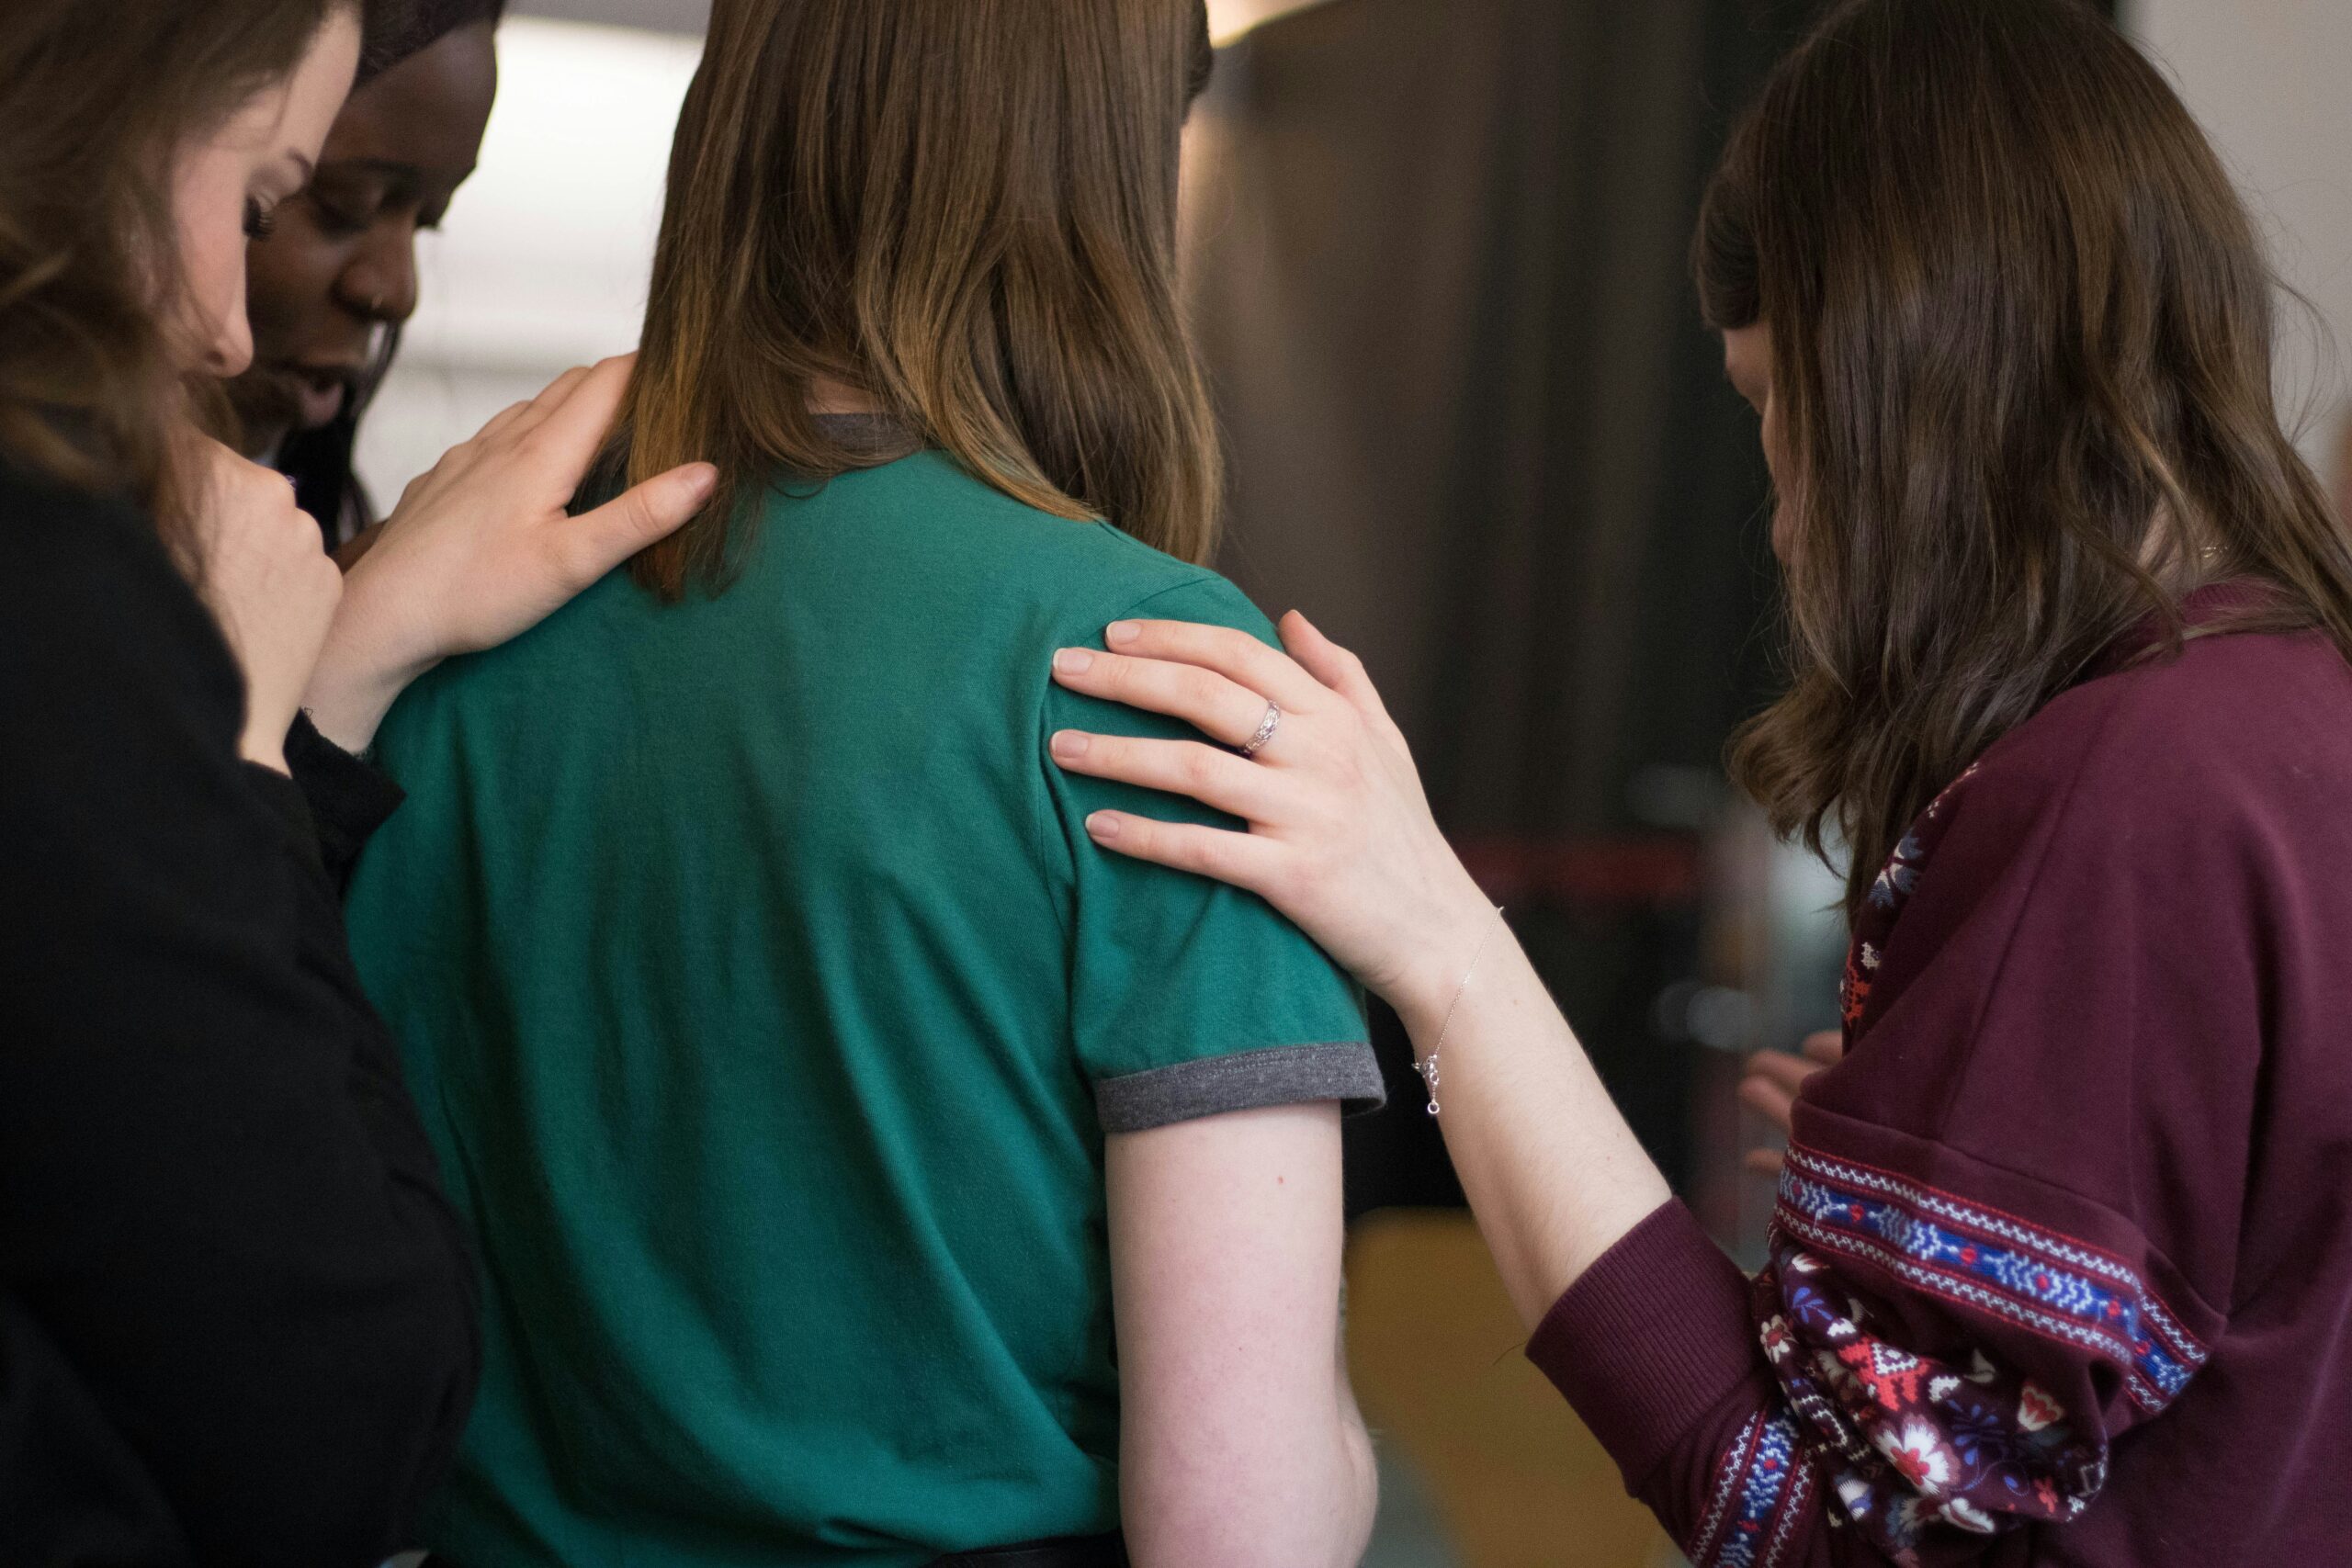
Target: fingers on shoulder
<point>1232,857</point>
<point>1229,651</point>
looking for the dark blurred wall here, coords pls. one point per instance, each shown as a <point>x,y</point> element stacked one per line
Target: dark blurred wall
<point>1478,433</point>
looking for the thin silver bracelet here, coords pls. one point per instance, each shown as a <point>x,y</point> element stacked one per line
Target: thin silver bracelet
<point>1427,1068</point>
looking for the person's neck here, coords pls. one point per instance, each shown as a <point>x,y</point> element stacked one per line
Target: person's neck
<point>827,396</point>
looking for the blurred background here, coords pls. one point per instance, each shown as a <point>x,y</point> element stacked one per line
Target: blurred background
<point>1436,251</point>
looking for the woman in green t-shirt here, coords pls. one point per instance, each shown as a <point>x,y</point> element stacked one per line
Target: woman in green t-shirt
<point>825,1105</point>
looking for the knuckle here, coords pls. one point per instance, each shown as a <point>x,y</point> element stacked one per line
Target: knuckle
<point>638,512</point>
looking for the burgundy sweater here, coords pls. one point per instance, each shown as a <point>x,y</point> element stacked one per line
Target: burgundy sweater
<point>2061,1269</point>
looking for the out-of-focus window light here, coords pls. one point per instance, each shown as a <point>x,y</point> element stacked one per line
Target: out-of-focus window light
<point>1228,19</point>
<point>542,261</point>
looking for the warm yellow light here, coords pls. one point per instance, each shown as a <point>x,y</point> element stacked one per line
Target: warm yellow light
<point>1228,19</point>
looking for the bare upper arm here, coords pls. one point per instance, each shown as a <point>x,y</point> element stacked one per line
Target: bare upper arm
<point>1240,1442</point>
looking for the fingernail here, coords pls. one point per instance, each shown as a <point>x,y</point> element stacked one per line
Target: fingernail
<point>1068,745</point>
<point>1120,633</point>
<point>1073,661</point>
<point>701,481</point>
<point>1103,825</point>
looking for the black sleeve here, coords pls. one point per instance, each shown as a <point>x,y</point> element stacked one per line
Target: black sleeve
<point>72,1491</point>
<point>217,1205</point>
<point>349,798</point>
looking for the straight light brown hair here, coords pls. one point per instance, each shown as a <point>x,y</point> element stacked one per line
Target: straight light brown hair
<point>95,98</point>
<point>965,210</point>
<point>2021,333</point>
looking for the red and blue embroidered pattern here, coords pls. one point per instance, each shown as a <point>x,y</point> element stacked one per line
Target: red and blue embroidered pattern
<point>1892,888</point>
<point>1897,1444</point>
<point>1987,1261</point>
<point>1908,1442</point>
<point>1763,1488</point>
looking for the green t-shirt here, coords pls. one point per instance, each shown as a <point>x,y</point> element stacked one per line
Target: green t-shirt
<point>768,1007</point>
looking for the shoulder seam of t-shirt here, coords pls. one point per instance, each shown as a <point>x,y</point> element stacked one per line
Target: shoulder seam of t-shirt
<point>1248,1080</point>
<point>1202,577</point>
<point>1041,805</point>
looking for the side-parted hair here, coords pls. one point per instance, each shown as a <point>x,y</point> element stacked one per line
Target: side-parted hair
<point>965,210</point>
<point>95,96</point>
<point>2021,352</point>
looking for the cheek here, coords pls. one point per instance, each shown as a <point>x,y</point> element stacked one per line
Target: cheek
<point>289,279</point>
<point>212,263</point>
<point>1783,516</point>
<point>1771,437</point>
<point>210,232</point>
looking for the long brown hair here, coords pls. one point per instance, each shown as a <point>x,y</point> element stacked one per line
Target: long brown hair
<point>95,96</point>
<point>966,209</point>
<point>2021,332</point>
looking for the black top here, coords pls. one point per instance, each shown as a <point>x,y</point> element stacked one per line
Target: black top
<point>236,1317</point>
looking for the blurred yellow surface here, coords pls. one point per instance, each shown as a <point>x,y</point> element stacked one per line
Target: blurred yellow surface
<point>1437,1355</point>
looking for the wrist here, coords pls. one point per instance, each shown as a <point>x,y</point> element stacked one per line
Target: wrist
<point>265,751</point>
<point>1456,945</point>
<point>351,692</point>
<point>361,671</point>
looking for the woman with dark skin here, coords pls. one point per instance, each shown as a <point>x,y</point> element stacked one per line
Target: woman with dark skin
<point>335,278</point>
<point>236,1316</point>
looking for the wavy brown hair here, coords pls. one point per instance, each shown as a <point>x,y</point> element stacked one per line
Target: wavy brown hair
<point>2021,341</point>
<point>965,210</point>
<point>95,96</point>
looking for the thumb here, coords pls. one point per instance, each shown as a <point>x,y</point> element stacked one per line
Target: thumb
<point>597,541</point>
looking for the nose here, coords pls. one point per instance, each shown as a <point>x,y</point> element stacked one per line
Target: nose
<point>229,347</point>
<point>381,282</point>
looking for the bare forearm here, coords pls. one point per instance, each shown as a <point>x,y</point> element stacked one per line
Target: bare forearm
<point>1291,1489</point>
<point>1359,1501</point>
<point>1313,1508</point>
<point>1553,1172</point>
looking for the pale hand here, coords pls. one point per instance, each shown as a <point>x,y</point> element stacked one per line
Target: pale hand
<point>1340,838</point>
<point>260,572</point>
<point>1773,1081</point>
<point>481,549</point>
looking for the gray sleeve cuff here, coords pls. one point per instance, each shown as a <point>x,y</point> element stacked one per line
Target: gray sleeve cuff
<point>1284,1074</point>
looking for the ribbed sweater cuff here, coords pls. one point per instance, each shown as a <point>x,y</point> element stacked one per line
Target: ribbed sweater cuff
<point>349,798</point>
<point>1653,1337</point>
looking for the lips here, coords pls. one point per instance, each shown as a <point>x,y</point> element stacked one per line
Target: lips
<point>320,393</point>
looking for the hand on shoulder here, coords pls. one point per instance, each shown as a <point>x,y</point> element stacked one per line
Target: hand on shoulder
<point>259,569</point>
<point>482,549</point>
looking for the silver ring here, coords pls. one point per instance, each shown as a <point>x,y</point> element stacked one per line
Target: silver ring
<point>1266,728</point>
